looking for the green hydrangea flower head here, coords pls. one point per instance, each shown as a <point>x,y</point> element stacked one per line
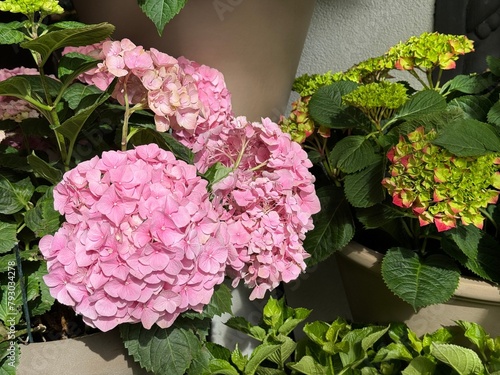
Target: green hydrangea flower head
<point>308,84</point>
<point>429,51</point>
<point>440,187</point>
<point>377,100</point>
<point>299,125</point>
<point>370,70</point>
<point>29,7</point>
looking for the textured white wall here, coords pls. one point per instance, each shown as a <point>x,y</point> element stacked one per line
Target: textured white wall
<point>345,32</point>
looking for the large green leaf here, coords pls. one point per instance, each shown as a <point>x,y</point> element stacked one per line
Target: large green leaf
<point>52,41</point>
<point>474,249</point>
<point>326,102</point>
<point>468,84</point>
<point>420,282</point>
<point>14,196</point>
<point>463,360</point>
<point>27,86</point>
<point>353,153</point>
<point>468,137</point>
<point>161,12</point>
<point>364,188</point>
<point>473,106</point>
<point>8,237</point>
<point>333,225</point>
<point>162,351</point>
<point>422,103</point>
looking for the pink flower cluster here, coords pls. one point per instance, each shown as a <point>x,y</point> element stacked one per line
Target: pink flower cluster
<point>12,108</point>
<point>141,243</point>
<point>269,197</point>
<point>182,94</point>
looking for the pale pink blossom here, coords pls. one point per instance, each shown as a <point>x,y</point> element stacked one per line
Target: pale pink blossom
<point>123,259</point>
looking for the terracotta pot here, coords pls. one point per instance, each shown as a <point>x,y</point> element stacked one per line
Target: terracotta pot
<point>256,44</point>
<point>371,301</point>
<point>97,354</point>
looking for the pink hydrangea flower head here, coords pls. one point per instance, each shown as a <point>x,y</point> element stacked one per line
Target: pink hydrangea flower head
<point>141,242</point>
<point>270,199</point>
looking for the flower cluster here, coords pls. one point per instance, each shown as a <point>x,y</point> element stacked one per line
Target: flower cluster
<point>269,196</point>
<point>438,186</point>
<point>31,6</point>
<point>298,124</point>
<point>429,51</point>
<point>148,79</point>
<point>377,100</point>
<point>12,108</point>
<point>141,243</point>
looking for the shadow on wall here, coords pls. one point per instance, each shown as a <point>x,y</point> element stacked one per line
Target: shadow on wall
<point>480,21</point>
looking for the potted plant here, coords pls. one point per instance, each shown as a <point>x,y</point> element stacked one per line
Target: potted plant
<point>407,168</point>
<point>255,44</point>
<point>130,192</point>
<point>342,347</point>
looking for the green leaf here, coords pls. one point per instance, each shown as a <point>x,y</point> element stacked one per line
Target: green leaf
<point>474,249</point>
<point>364,189</point>
<point>217,172</point>
<point>475,107</point>
<point>72,65</point>
<point>161,12</point>
<point>44,169</point>
<point>468,84</point>
<point>493,65</point>
<point>242,325</point>
<point>326,102</point>
<point>494,114</point>
<point>78,94</point>
<point>476,334</point>
<point>43,218</point>
<point>222,367</point>
<point>8,363</point>
<point>420,366</point>
<point>353,153</point>
<point>333,225</point>
<point>162,351</point>
<point>422,103</point>
<point>26,86</point>
<point>260,354</point>
<point>8,237</point>
<point>9,36</point>
<point>420,282</point>
<point>15,195</point>
<point>52,41</point>
<point>307,365</point>
<point>463,360</point>
<point>469,137</point>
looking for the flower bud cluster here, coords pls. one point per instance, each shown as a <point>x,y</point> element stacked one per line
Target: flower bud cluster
<point>439,187</point>
<point>429,51</point>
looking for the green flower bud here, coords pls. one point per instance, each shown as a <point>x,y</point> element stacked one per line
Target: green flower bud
<point>29,7</point>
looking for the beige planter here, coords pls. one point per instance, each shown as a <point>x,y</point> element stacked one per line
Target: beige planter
<point>98,354</point>
<point>256,44</point>
<point>371,301</point>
